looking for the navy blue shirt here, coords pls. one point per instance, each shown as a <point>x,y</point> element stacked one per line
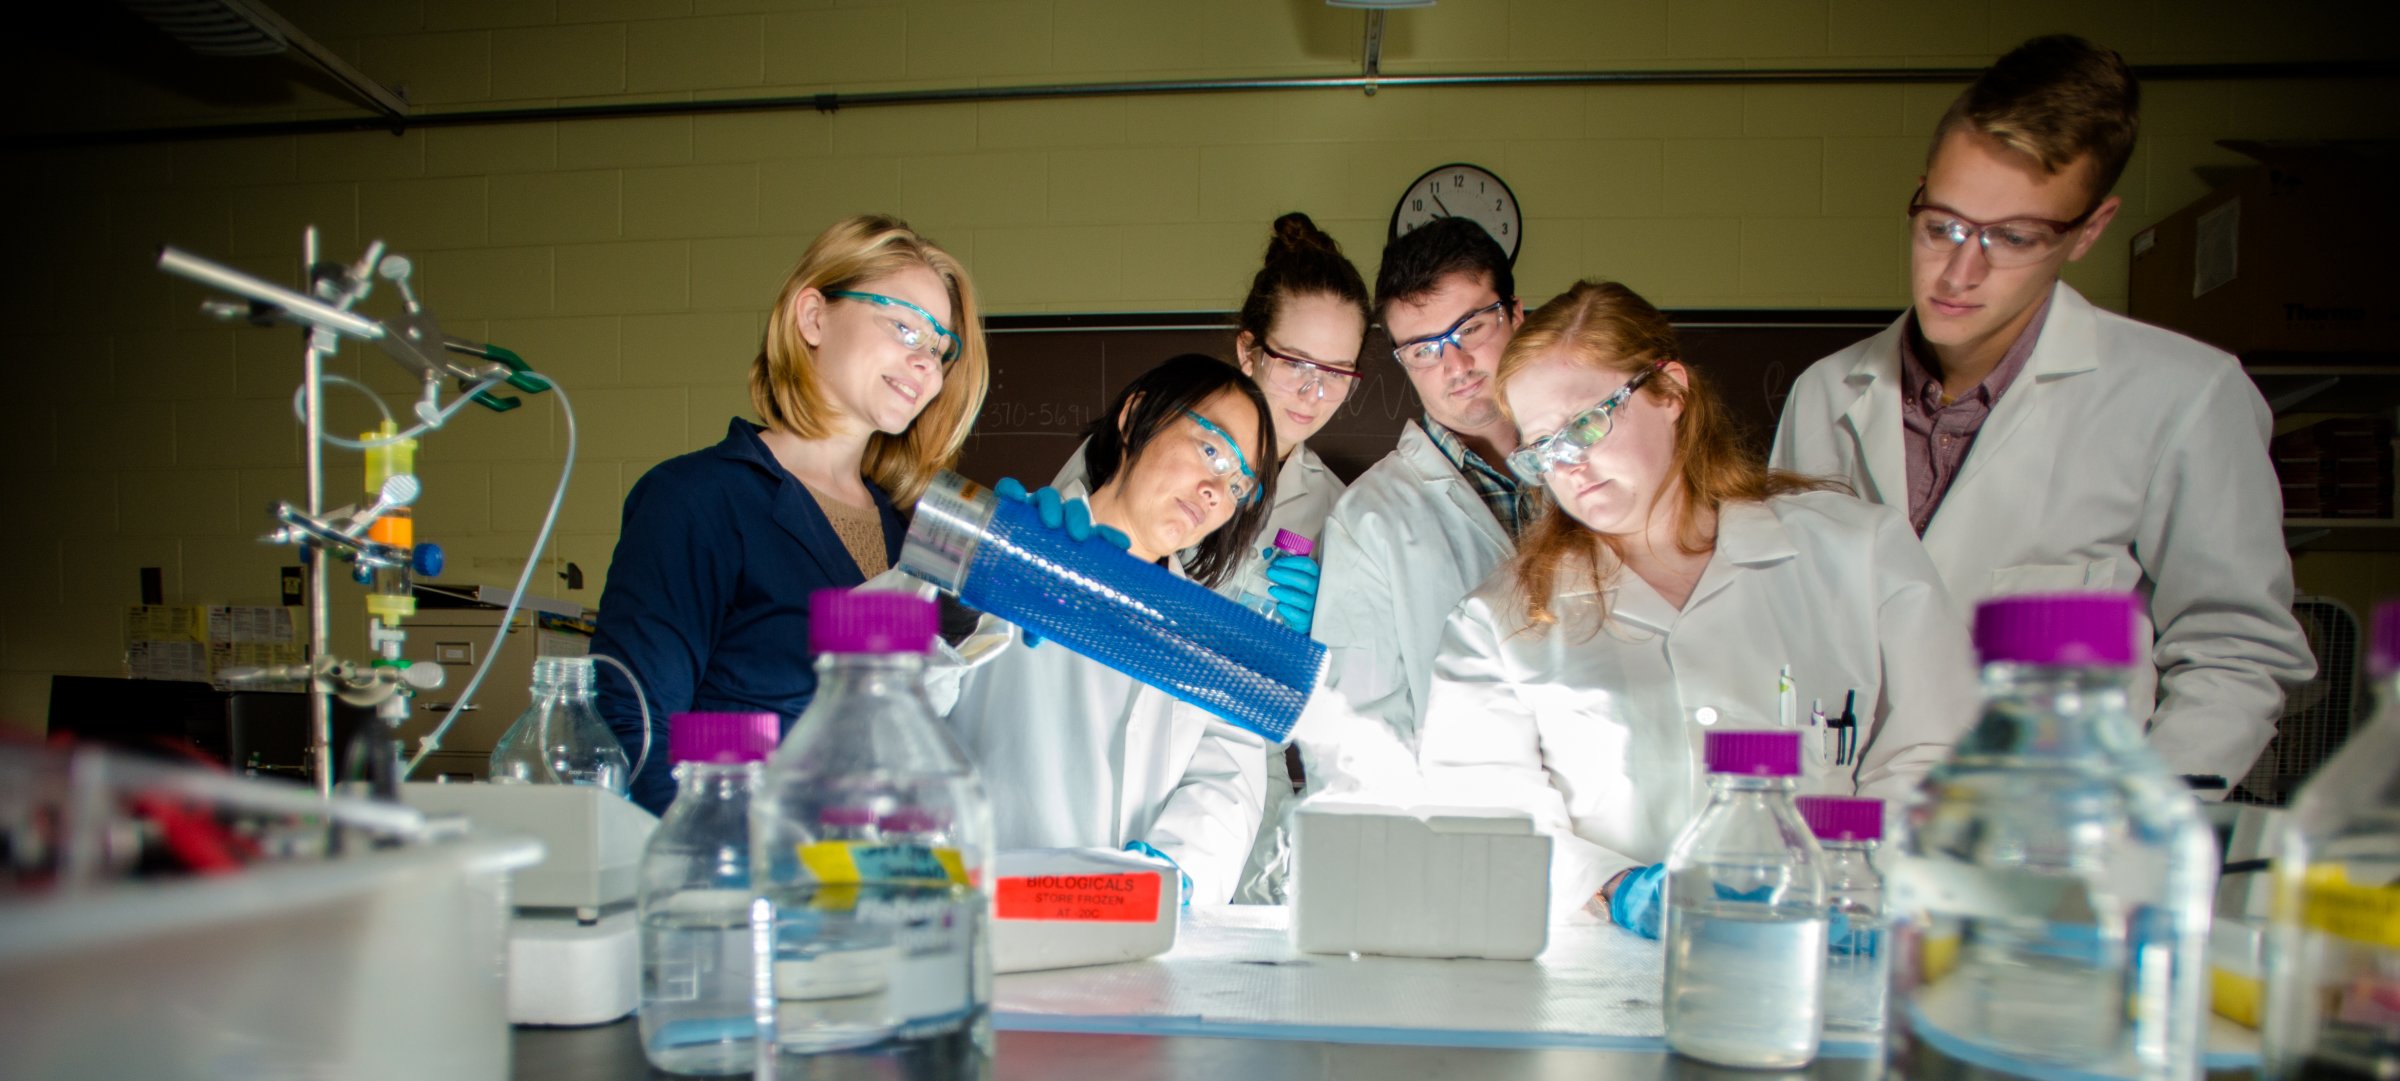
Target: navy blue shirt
<point>708,593</point>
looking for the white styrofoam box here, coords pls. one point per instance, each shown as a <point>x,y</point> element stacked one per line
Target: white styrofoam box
<point>382,964</point>
<point>592,838</point>
<point>1063,907</point>
<point>1419,882</point>
<point>562,971</point>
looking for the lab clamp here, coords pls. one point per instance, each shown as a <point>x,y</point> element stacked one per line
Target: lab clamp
<point>378,539</point>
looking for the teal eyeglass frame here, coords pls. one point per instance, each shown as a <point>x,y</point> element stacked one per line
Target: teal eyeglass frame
<point>1240,459</point>
<point>948,355</point>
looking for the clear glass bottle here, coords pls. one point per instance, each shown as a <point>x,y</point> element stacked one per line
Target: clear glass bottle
<point>873,937</point>
<point>560,738</point>
<point>2049,897</point>
<point>697,1013</point>
<point>1255,595</point>
<point>2333,962</point>
<point>1746,913</point>
<point>1849,831</point>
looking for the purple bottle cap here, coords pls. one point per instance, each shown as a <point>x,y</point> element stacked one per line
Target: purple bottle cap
<point>1842,818</point>
<point>1756,753</point>
<point>2079,630</point>
<point>847,817</point>
<point>2383,641</point>
<point>722,738</point>
<point>1288,541</point>
<point>910,820</point>
<point>856,621</point>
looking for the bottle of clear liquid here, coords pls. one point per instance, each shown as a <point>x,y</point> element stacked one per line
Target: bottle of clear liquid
<point>1746,913</point>
<point>1257,599</point>
<point>2333,965</point>
<point>697,990</point>
<point>874,935</point>
<point>2049,900</point>
<point>560,738</point>
<point>1849,831</point>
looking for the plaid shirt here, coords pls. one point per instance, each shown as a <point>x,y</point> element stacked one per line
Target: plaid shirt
<point>1498,487</point>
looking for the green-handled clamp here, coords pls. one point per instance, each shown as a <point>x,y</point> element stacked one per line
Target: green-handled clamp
<point>521,374</point>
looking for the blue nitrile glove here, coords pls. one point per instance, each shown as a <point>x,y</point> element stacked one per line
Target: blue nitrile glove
<point>1143,848</point>
<point>1071,515</point>
<point>1293,585</point>
<point>1639,905</point>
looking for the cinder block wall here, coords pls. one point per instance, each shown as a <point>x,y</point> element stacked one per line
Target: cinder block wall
<point>632,259</point>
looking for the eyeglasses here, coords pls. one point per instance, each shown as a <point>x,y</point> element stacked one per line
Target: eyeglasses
<point>2013,243</point>
<point>929,337</point>
<point>1572,443</point>
<point>1418,354</point>
<point>1302,376</point>
<point>1224,457</point>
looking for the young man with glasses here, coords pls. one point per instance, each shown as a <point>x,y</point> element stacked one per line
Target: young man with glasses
<point>2040,444</point>
<point>1421,528</point>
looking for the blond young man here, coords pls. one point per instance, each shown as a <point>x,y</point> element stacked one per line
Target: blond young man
<point>2040,444</point>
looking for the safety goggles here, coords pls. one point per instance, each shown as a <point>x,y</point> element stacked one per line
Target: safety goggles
<point>1224,458</point>
<point>1418,354</point>
<point>1573,442</point>
<point>920,332</point>
<point>2013,243</point>
<point>1303,377</point>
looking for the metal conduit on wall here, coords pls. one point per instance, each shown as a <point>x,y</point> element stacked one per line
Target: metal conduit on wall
<point>832,102</point>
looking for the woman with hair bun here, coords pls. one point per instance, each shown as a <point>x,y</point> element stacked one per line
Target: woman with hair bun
<point>1301,328</point>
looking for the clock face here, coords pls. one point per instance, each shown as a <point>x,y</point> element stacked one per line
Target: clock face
<point>1460,190</point>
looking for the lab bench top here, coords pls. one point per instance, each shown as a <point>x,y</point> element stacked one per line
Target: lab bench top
<point>614,1053</point>
<point>1234,1000</point>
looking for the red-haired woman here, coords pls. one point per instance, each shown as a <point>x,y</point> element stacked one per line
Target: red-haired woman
<point>1666,586</point>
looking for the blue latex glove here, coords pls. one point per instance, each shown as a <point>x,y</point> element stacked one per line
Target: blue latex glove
<point>1293,584</point>
<point>1143,848</point>
<point>1639,905</point>
<point>1073,516</point>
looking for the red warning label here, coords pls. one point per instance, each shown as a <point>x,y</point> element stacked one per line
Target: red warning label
<point>1093,898</point>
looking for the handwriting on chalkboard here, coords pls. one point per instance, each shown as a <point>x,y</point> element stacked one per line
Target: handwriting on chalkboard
<point>1021,416</point>
<point>1383,395</point>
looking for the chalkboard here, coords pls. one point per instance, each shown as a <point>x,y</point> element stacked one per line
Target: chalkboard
<point>1052,375</point>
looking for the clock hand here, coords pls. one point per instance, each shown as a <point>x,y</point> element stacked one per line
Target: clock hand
<point>1437,201</point>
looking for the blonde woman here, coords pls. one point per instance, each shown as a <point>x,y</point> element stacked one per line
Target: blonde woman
<point>873,366</point>
<point>1667,582</point>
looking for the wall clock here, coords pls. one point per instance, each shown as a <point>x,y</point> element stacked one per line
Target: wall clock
<point>1460,190</point>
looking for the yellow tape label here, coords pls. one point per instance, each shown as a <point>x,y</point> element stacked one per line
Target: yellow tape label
<point>845,863</point>
<point>2331,903</point>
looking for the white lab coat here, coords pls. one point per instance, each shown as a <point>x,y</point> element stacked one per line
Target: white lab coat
<point>2125,457</point>
<point>1403,546</point>
<point>1075,754</point>
<point>1599,735</point>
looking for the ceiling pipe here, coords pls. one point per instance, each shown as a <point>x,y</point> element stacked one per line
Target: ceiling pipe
<point>833,102</point>
<point>251,28</point>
